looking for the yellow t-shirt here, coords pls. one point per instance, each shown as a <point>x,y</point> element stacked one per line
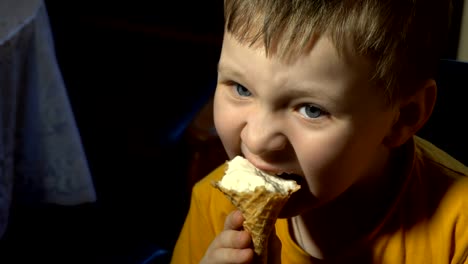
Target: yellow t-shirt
<point>427,223</point>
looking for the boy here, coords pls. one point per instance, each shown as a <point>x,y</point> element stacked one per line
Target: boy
<point>333,92</point>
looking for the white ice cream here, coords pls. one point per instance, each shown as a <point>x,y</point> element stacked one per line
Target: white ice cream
<point>242,176</point>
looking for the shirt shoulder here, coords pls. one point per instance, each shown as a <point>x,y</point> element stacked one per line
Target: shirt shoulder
<point>204,221</point>
<point>212,203</point>
<point>429,222</point>
<point>204,190</point>
<point>435,158</point>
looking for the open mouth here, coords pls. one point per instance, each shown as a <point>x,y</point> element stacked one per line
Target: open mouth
<point>291,176</point>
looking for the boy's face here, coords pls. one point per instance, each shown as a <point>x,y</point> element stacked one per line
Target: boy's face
<point>316,116</point>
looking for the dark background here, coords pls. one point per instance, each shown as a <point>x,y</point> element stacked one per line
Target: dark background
<point>137,74</point>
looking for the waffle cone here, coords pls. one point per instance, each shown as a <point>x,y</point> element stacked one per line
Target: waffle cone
<point>260,209</point>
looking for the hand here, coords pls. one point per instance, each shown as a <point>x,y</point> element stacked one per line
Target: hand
<point>232,245</point>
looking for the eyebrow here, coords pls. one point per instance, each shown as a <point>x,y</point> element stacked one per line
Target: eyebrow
<point>232,72</point>
<point>304,91</point>
<point>299,93</point>
<point>310,91</point>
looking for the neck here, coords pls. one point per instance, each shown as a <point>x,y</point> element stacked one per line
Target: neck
<point>334,227</point>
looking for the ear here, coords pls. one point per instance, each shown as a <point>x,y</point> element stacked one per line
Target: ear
<point>413,113</point>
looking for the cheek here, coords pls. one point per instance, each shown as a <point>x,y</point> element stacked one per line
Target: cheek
<point>333,161</point>
<point>226,124</point>
<point>320,154</point>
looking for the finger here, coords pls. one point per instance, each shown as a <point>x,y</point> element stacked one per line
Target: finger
<point>234,256</point>
<point>230,246</point>
<point>233,239</point>
<point>234,221</point>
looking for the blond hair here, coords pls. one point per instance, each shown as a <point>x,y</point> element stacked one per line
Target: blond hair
<point>403,38</point>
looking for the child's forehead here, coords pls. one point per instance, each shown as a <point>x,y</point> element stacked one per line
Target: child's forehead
<point>279,49</point>
<point>321,59</point>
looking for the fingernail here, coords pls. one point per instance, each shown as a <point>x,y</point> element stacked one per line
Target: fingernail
<point>239,215</point>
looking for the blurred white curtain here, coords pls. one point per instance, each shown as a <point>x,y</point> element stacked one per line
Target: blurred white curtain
<point>41,156</point>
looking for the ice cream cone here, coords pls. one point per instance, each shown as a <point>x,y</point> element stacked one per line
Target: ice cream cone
<point>260,197</point>
<point>260,209</point>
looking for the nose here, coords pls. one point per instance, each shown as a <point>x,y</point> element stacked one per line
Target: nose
<point>263,133</point>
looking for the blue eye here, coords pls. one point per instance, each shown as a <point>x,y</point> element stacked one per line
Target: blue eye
<point>311,111</point>
<point>242,91</point>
